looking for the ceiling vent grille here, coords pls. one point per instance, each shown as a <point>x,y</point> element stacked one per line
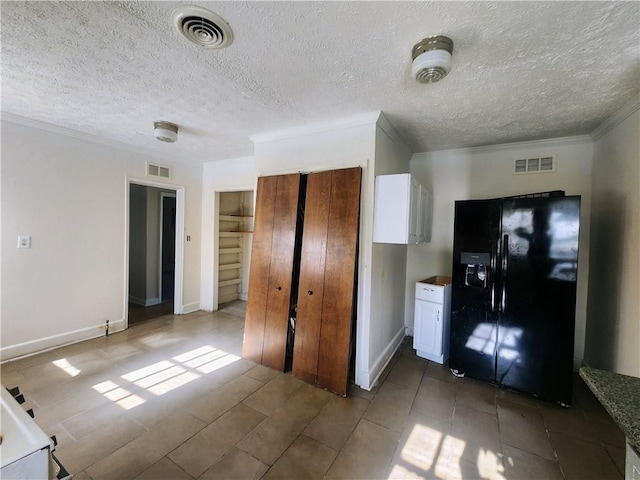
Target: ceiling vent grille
<point>158,171</point>
<point>534,165</point>
<point>202,27</point>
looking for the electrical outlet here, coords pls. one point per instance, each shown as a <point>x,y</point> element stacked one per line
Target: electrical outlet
<point>24,241</point>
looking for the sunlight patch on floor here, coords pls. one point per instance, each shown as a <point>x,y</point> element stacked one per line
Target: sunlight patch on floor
<point>121,396</point>
<point>167,375</point>
<point>64,365</point>
<point>428,453</point>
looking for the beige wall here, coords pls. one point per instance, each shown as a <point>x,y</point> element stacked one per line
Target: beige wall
<point>69,195</point>
<point>486,172</point>
<point>613,314</point>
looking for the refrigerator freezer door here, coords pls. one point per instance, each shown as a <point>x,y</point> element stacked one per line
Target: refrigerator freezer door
<point>534,350</point>
<point>473,309</point>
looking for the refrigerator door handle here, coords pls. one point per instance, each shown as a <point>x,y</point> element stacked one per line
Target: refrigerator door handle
<point>505,267</point>
<point>494,271</point>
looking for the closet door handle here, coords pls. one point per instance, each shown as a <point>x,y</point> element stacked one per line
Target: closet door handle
<point>278,289</point>
<point>310,292</point>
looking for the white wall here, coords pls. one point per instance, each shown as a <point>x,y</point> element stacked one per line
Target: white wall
<point>613,315</point>
<point>486,172</point>
<point>388,263</point>
<point>69,195</point>
<point>138,244</point>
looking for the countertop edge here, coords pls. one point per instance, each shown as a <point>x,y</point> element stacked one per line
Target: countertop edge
<point>629,425</point>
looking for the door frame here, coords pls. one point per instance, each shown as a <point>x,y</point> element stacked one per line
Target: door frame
<point>164,195</point>
<point>179,273</point>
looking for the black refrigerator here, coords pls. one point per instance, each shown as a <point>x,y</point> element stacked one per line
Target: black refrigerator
<point>515,265</point>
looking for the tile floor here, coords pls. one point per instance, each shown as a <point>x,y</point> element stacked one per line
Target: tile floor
<point>172,398</point>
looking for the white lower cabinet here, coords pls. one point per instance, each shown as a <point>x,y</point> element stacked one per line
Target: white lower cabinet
<point>432,319</point>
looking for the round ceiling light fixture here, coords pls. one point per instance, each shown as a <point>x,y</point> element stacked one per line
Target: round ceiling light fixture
<point>202,27</point>
<point>165,131</point>
<point>431,59</point>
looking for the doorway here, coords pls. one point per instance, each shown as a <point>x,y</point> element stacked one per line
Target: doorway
<point>234,232</point>
<point>152,241</point>
<point>167,246</point>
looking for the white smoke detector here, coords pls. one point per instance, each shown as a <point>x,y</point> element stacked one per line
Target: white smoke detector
<point>202,27</point>
<point>431,59</point>
<point>165,131</point>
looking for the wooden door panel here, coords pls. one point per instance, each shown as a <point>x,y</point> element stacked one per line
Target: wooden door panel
<point>281,271</point>
<point>339,280</point>
<point>259,270</point>
<point>311,284</point>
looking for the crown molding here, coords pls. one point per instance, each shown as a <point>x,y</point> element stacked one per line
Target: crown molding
<point>348,122</point>
<point>68,132</point>
<point>617,117</point>
<point>550,142</point>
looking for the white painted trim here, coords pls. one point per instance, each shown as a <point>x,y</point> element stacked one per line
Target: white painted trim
<point>551,142</point>
<point>620,115</point>
<point>177,294</point>
<point>152,301</point>
<point>87,137</point>
<point>190,307</point>
<point>163,195</point>
<point>215,292</point>
<point>34,347</point>
<point>144,302</point>
<point>363,320</point>
<point>383,360</point>
<point>243,297</point>
<point>369,118</point>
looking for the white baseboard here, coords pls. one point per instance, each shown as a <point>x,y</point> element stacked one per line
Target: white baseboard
<point>370,378</point>
<point>137,300</point>
<point>13,352</point>
<point>149,302</point>
<point>244,296</point>
<point>190,308</point>
<point>144,302</point>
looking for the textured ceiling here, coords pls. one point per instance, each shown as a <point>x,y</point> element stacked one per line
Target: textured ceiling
<point>521,70</point>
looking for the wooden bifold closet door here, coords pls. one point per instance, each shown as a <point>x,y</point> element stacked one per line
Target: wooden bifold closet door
<point>326,293</point>
<point>267,317</point>
<point>326,286</point>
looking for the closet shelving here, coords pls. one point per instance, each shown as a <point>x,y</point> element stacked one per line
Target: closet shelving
<point>234,240</point>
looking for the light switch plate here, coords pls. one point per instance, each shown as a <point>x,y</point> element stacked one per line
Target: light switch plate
<point>24,241</point>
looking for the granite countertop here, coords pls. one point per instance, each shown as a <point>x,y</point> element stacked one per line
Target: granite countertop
<point>620,396</point>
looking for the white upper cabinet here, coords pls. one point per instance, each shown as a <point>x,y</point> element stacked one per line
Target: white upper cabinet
<point>402,210</point>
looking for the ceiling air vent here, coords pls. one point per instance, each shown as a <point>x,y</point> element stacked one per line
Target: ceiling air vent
<point>158,171</point>
<point>202,27</point>
<point>534,165</point>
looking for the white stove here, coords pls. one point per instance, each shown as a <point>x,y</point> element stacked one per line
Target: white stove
<point>24,448</point>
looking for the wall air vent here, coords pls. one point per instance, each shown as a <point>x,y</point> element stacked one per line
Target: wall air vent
<point>535,165</point>
<point>158,171</point>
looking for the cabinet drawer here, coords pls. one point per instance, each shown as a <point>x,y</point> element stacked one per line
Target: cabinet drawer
<point>430,293</point>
